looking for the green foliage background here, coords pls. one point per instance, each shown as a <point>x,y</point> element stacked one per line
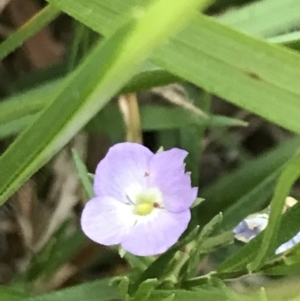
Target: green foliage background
<point>246,56</point>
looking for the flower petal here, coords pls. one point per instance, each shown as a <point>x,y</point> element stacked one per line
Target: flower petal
<point>107,221</point>
<point>250,227</point>
<point>156,233</point>
<point>124,165</point>
<point>168,175</point>
<point>289,244</point>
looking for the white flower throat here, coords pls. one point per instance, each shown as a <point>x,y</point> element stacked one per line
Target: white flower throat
<point>144,201</point>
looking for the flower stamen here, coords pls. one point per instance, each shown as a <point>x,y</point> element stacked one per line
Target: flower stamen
<point>129,200</point>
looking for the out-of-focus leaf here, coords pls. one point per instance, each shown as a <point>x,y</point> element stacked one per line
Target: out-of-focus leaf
<point>8,294</point>
<point>290,40</point>
<point>15,127</point>
<point>264,18</point>
<point>260,18</point>
<point>145,290</point>
<point>192,262</point>
<point>217,64</point>
<point>31,27</point>
<point>55,254</point>
<point>289,175</point>
<point>83,174</point>
<point>225,193</point>
<point>93,291</point>
<point>211,294</point>
<point>35,100</point>
<point>191,136</point>
<point>283,269</point>
<point>153,117</point>
<point>253,201</point>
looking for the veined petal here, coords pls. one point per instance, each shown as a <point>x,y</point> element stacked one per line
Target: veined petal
<point>124,165</point>
<point>156,233</point>
<point>107,221</point>
<point>168,175</point>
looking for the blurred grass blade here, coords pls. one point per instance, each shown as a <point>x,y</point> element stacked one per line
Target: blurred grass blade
<point>34,100</point>
<point>217,50</point>
<point>248,176</point>
<point>89,89</point>
<point>290,40</point>
<point>83,174</point>
<point>8,294</point>
<point>31,27</point>
<point>154,117</point>
<point>15,127</point>
<point>60,249</point>
<point>99,290</point>
<point>264,18</point>
<point>290,174</point>
<point>252,201</point>
<point>217,63</point>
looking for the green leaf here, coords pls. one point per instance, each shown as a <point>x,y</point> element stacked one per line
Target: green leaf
<point>92,291</point>
<point>252,201</point>
<point>56,253</point>
<point>216,50</point>
<point>193,261</point>
<point>34,100</point>
<point>153,117</point>
<point>283,269</point>
<point>209,227</point>
<point>89,89</point>
<point>191,136</point>
<point>259,18</point>
<point>123,287</point>
<point>211,294</point>
<point>168,298</point>
<point>249,176</point>
<point>290,174</point>
<point>264,18</point>
<point>15,127</point>
<point>137,262</point>
<point>197,202</point>
<point>35,24</point>
<point>9,294</point>
<point>83,174</point>
<point>145,290</point>
<point>216,241</point>
<point>290,40</point>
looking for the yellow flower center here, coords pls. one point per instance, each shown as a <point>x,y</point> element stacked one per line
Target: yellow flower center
<point>145,202</point>
<point>144,208</point>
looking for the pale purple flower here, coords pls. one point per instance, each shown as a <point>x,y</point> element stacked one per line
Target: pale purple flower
<point>250,227</point>
<point>142,200</point>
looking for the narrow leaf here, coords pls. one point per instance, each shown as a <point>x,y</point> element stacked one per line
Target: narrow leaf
<point>290,174</point>
<point>83,174</point>
<point>45,16</point>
